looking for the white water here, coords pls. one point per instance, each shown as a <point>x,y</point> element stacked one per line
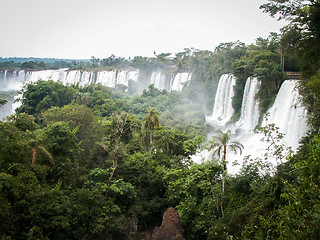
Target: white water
<point>250,113</point>
<point>107,78</point>
<point>71,77</point>
<point>15,80</point>
<point>161,80</point>
<point>179,80</point>
<point>133,75</point>
<point>124,77</point>
<point>286,113</point>
<point>12,81</point>
<point>223,110</point>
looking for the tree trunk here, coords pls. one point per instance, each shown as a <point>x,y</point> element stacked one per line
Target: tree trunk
<point>114,157</point>
<point>34,156</point>
<point>224,163</point>
<point>282,58</point>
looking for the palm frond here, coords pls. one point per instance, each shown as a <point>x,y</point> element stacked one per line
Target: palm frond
<point>47,155</point>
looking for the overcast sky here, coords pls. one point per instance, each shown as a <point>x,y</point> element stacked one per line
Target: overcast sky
<point>84,28</point>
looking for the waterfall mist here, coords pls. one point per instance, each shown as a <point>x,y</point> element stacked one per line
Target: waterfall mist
<point>286,113</point>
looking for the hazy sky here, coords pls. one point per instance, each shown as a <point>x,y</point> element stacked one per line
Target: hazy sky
<point>85,28</point>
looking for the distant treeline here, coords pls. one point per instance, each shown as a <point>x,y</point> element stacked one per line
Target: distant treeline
<point>16,63</point>
<point>46,60</point>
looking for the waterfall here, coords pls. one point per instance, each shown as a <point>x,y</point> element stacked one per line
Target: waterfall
<point>45,75</point>
<point>107,78</point>
<point>87,78</point>
<point>122,78</point>
<point>288,114</point>
<point>7,109</point>
<point>250,113</point>
<point>179,81</point>
<point>161,80</point>
<point>223,110</point>
<point>133,75</point>
<point>71,78</point>
<point>12,80</point>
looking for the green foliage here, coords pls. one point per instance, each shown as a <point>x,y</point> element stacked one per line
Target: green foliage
<point>43,95</point>
<point>12,148</point>
<point>262,61</point>
<point>196,193</point>
<point>78,117</point>
<point>310,90</point>
<point>27,64</point>
<point>3,101</point>
<point>24,122</point>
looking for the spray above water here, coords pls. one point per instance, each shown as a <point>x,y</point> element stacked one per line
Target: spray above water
<point>286,113</point>
<point>14,80</point>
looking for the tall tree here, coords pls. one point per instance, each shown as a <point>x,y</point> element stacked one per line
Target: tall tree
<point>119,130</point>
<point>150,122</point>
<point>302,34</point>
<point>220,144</point>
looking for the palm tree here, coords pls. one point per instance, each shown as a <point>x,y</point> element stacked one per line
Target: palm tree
<point>150,122</point>
<point>220,144</point>
<point>35,148</point>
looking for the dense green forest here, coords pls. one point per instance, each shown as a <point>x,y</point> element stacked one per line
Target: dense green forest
<point>97,163</point>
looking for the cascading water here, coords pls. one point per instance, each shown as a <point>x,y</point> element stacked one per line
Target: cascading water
<point>122,78</point>
<point>288,114</point>
<point>14,80</point>
<point>107,78</point>
<point>112,78</point>
<point>87,78</point>
<point>71,78</point>
<point>45,75</point>
<point>179,81</point>
<point>161,80</point>
<point>223,110</point>
<point>133,75</point>
<point>7,109</point>
<point>250,113</point>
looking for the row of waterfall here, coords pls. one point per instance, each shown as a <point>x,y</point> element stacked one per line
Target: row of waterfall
<point>14,80</point>
<point>286,113</point>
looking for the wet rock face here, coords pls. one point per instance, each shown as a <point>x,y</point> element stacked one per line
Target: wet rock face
<point>170,228</point>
